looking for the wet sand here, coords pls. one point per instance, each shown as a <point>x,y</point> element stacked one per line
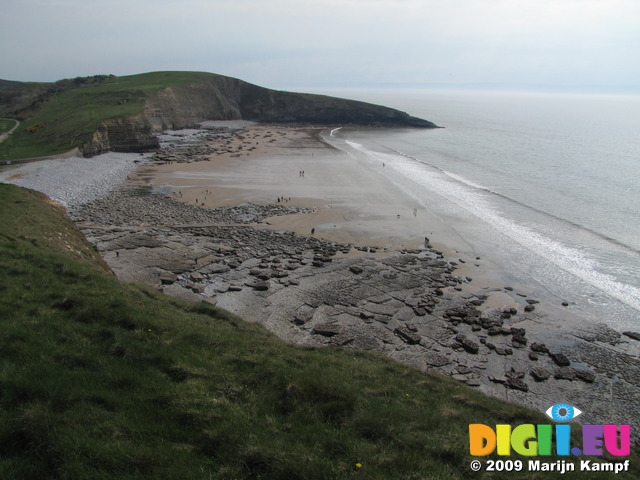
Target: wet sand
<point>352,202</point>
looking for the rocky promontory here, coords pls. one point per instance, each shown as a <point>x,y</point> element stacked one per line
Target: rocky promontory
<point>124,114</point>
<point>226,98</point>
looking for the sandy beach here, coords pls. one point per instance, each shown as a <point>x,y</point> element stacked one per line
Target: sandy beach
<point>352,203</point>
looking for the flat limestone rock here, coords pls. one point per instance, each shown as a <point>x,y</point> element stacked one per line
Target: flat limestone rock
<point>177,291</point>
<point>327,329</point>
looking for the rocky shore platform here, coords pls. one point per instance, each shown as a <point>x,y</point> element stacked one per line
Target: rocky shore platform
<point>408,304</point>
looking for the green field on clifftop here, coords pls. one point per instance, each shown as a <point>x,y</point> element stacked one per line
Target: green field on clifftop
<point>104,380</point>
<point>68,119</point>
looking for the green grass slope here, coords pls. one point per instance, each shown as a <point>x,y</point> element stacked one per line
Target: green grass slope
<point>6,124</point>
<point>104,380</point>
<point>69,118</point>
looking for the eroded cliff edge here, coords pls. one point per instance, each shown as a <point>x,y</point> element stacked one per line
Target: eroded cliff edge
<point>226,98</point>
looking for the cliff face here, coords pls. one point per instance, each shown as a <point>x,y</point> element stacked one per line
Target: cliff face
<point>226,98</point>
<point>127,134</point>
<point>188,105</point>
<point>257,103</point>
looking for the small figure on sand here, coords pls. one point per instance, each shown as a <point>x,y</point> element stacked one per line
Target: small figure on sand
<point>313,230</point>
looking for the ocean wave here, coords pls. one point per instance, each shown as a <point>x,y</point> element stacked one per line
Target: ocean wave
<point>472,197</point>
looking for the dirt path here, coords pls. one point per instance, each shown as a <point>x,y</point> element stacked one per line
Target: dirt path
<point>4,136</point>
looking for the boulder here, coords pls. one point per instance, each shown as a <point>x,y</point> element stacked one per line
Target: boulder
<point>540,374</point>
<point>407,335</point>
<point>468,344</point>
<point>560,359</point>
<point>634,335</point>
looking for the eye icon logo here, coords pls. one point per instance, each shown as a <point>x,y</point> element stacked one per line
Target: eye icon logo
<point>562,412</point>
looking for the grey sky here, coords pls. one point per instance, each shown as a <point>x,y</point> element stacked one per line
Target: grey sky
<point>288,44</point>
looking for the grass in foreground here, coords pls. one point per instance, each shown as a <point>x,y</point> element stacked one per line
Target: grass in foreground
<point>70,118</point>
<point>105,380</point>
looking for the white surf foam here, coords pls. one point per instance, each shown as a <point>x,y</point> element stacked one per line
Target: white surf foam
<point>414,177</point>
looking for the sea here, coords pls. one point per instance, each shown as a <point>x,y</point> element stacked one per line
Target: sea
<point>546,185</point>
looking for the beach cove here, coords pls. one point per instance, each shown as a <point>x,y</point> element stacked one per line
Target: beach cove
<point>338,257</point>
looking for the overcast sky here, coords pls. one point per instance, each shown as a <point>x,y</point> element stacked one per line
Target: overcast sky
<point>288,44</point>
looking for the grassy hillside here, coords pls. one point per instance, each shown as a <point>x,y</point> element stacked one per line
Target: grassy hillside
<point>6,124</point>
<point>104,380</point>
<point>68,118</point>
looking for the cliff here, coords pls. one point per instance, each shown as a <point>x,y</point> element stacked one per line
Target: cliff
<point>226,98</point>
<point>101,113</point>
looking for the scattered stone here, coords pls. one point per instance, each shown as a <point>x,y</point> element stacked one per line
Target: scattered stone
<point>327,329</point>
<point>356,269</point>
<point>539,348</point>
<point>540,374</point>
<point>196,276</point>
<point>468,344</point>
<point>515,381</point>
<point>518,340</point>
<point>560,359</point>
<point>257,285</point>
<point>168,278</point>
<point>634,335</point>
<point>419,311</point>
<point>210,300</point>
<point>495,379</point>
<point>407,335</point>
<point>435,359</point>
<point>585,376</point>
<point>565,373</point>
